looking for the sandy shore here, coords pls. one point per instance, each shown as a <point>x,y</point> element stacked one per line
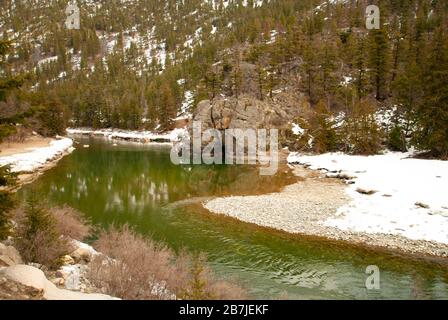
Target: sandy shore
<point>303,208</point>
<point>33,142</point>
<point>34,156</point>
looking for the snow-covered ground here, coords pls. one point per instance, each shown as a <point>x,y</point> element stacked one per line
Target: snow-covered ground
<point>410,195</point>
<point>140,136</point>
<point>38,157</point>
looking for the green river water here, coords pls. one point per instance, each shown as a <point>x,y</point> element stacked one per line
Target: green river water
<point>136,184</point>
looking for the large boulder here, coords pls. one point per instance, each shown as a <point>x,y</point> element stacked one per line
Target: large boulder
<point>35,278</point>
<point>245,112</point>
<point>11,290</point>
<point>83,253</point>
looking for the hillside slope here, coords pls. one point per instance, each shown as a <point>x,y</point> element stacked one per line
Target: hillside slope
<point>142,63</point>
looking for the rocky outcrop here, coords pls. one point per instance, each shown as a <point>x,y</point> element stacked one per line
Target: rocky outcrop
<point>82,255</point>
<point>29,282</point>
<point>34,278</point>
<point>11,290</point>
<point>247,112</point>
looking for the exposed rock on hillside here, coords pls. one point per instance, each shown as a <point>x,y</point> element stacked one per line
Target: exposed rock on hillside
<point>245,112</point>
<point>29,282</point>
<point>11,290</point>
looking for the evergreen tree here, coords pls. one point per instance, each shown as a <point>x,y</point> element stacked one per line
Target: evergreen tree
<point>38,239</point>
<point>53,116</point>
<point>310,64</point>
<point>379,62</point>
<point>361,129</point>
<point>7,84</point>
<point>323,132</point>
<point>167,109</point>
<point>212,83</point>
<point>327,80</point>
<point>432,113</point>
<point>197,289</point>
<point>360,64</point>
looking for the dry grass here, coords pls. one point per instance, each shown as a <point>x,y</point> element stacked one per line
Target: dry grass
<point>70,223</point>
<point>137,268</point>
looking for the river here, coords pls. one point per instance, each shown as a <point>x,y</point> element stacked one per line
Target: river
<point>136,184</point>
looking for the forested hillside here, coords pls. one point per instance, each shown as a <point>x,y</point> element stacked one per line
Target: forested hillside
<point>142,63</point>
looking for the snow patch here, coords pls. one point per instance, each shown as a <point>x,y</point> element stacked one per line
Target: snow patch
<point>35,159</point>
<point>139,136</point>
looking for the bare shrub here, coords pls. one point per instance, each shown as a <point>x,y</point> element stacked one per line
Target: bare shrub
<point>137,268</point>
<point>42,249</point>
<point>21,135</point>
<point>70,223</point>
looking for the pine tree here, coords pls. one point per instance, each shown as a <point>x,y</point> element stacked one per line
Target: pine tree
<point>407,91</point>
<point>212,83</point>
<point>53,116</point>
<point>197,289</point>
<point>38,238</point>
<point>322,127</point>
<point>327,80</point>
<point>432,113</point>
<point>379,62</point>
<point>309,68</point>
<point>361,128</point>
<point>7,84</point>
<point>360,65</point>
<point>167,111</point>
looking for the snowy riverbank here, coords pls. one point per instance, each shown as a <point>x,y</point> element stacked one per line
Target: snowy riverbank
<point>386,201</point>
<point>36,159</point>
<point>390,194</point>
<point>128,135</point>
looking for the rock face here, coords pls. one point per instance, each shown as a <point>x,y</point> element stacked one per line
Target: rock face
<point>247,112</point>
<point>34,278</point>
<point>11,290</point>
<point>9,256</point>
<point>28,282</point>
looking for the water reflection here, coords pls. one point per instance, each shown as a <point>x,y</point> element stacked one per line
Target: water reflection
<point>125,178</point>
